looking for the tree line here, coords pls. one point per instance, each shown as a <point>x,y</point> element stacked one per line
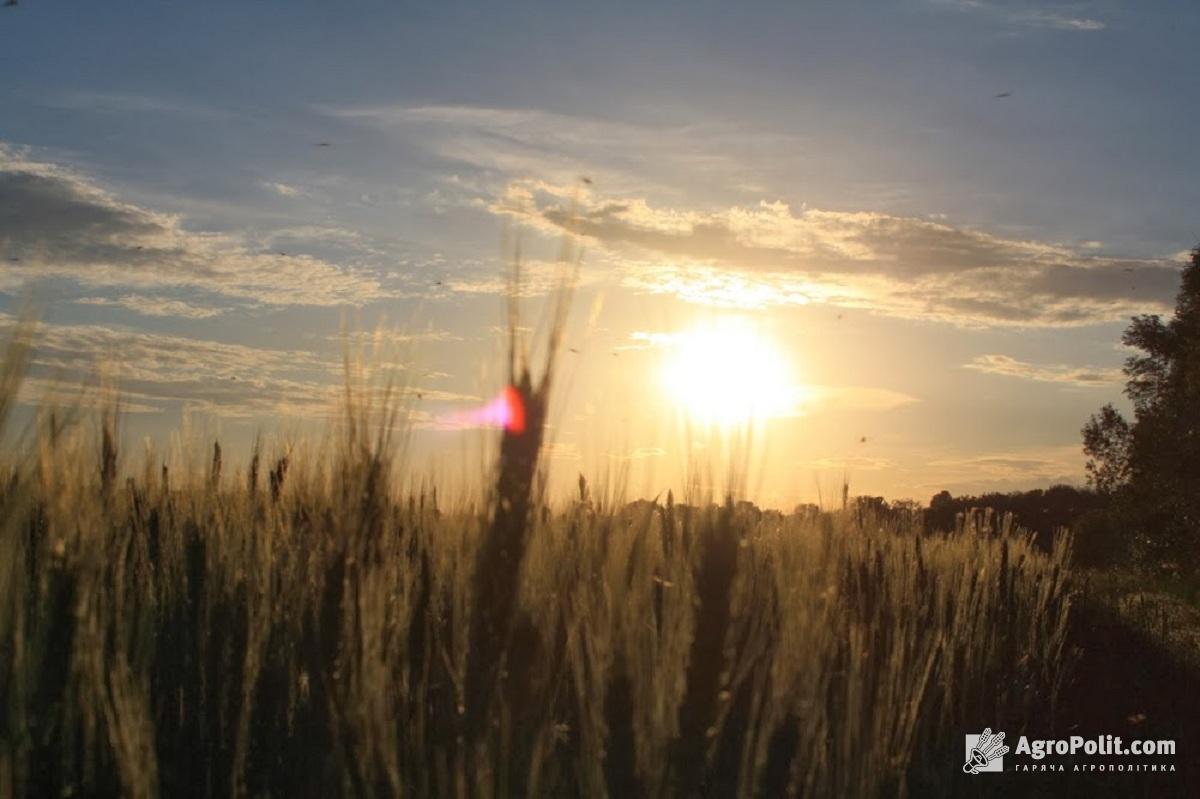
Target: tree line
<point>1142,503</point>
<point>1148,467</point>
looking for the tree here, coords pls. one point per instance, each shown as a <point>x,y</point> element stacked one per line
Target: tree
<point>1107,438</point>
<point>1153,464</point>
<point>941,514</point>
<point>1041,511</point>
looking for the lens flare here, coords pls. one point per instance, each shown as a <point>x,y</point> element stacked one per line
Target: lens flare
<point>506,410</point>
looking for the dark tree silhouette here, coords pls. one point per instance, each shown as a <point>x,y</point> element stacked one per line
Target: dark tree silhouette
<point>1106,440</point>
<point>1041,511</point>
<point>1152,465</point>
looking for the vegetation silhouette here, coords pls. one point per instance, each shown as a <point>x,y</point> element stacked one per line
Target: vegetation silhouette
<point>1150,467</point>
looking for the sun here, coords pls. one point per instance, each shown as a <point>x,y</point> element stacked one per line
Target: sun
<point>727,373</point>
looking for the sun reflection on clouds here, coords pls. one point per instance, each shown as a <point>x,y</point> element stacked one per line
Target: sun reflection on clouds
<point>713,286</point>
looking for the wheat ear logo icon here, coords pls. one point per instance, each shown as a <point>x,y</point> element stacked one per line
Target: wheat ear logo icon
<point>986,749</point>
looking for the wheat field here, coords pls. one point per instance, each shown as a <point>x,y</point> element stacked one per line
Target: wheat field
<point>304,625</point>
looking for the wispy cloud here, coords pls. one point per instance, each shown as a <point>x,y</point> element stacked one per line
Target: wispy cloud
<point>1061,16</point>
<point>485,147</point>
<point>538,278</point>
<point>526,164</point>
<point>155,306</point>
<point>772,254</point>
<point>132,103</point>
<point>1087,376</point>
<point>647,452</point>
<point>1036,466</point>
<point>643,340</point>
<point>49,392</point>
<point>56,223</point>
<point>1050,19</point>
<point>861,463</point>
<point>387,338</point>
<point>859,398</point>
<point>160,371</point>
<point>637,454</point>
<point>283,189</point>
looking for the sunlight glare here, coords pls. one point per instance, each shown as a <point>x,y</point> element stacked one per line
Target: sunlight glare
<point>728,373</point>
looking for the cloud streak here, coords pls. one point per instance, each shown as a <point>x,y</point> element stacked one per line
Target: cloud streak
<point>489,146</point>
<point>57,224</point>
<point>861,463</point>
<point>159,371</point>
<point>1045,465</point>
<point>1062,18</point>
<point>910,267</point>
<point>155,306</point>
<point>1084,376</point>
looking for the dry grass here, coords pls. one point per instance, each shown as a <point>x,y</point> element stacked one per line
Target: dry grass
<point>307,628</point>
<point>1164,610</point>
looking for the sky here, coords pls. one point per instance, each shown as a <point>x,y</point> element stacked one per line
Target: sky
<point>900,241</point>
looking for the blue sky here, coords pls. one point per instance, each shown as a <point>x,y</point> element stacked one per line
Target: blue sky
<point>945,271</point>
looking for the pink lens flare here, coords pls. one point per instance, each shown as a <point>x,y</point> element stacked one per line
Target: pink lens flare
<point>506,410</point>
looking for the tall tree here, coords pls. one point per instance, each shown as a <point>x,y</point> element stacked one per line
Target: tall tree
<point>1153,464</point>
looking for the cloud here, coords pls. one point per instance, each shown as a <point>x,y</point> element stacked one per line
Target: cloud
<point>284,189</point>
<point>538,278</point>
<point>910,267</point>
<point>235,379</point>
<point>155,306</point>
<point>129,103</point>
<point>1050,19</point>
<point>55,223</point>
<point>384,337</point>
<point>1042,466</point>
<point>637,454</point>
<point>41,391</point>
<point>526,164</point>
<point>644,340</point>
<point>858,398</point>
<point>647,452</point>
<point>1086,376</point>
<point>1062,17</point>
<point>849,463</point>
<point>159,371</point>
<point>486,146</point>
